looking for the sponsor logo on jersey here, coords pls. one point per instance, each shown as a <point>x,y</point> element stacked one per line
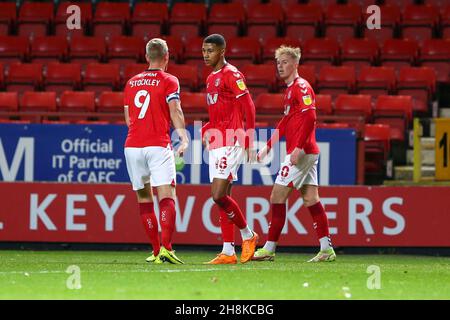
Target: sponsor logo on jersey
<point>241,85</point>
<point>211,98</point>
<point>307,100</point>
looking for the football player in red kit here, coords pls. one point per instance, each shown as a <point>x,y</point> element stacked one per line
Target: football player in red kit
<point>151,102</point>
<point>228,142</point>
<point>299,170</point>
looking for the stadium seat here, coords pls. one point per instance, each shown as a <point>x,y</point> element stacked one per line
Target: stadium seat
<point>333,125</point>
<point>359,52</point>
<point>186,74</point>
<point>13,49</point>
<point>395,111</point>
<point>398,53</point>
<point>187,20</point>
<point>38,101</point>
<point>390,19</point>
<point>264,21</point>
<point>303,21</point>
<point>273,44</point>
<point>419,22</point>
<point>446,23</point>
<point>75,102</point>
<point>176,48</point>
<point>204,73</point>
<point>323,104</point>
<point>24,77</point>
<point>243,50</point>
<point>376,80</point>
<point>193,52</point>
<point>357,105</point>
<point>133,69</point>
<point>342,21</point>
<point>194,105</point>
<point>111,18</point>
<point>7,17</point>
<point>35,18</point>
<point>247,3</point>
<point>9,101</point>
<point>308,73</point>
<point>377,147</point>
<point>270,104</point>
<point>226,19</point>
<point>420,84</point>
<point>125,50</point>
<point>2,79</point>
<point>62,16</point>
<point>260,78</point>
<point>62,76</point>
<point>336,80</point>
<point>320,52</point>
<point>49,48</point>
<point>110,102</point>
<point>435,54</point>
<point>149,19</point>
<point>87,49</point>
<point>101,77</point>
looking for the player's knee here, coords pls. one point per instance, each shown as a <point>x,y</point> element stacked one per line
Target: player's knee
<point>276,197</point>
<point>310,200</point>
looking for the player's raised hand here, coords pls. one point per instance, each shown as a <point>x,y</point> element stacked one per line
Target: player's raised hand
<point>262,154</point>
<point>181,148</point>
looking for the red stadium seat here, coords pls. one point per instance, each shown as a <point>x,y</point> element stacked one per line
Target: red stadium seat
<point>226,19</point>
<point>264,21</point>
<point>13,49</point>
<point>187,20</point>
<point>435,54</point>
<point>133,69</point>
<point>273,44</point>
<point>335,80</point>
<point>377,146</point>
<point>320,52</point>
<point>446,23</point>
<point>125,50</point>
<point>419,83</point>
<point>396,111</point>
<point>62,76</point>
<point>333,125</point>
<point>308,73</point>
<point>303,20</point>
<point>243,50</point>
<point>247,3</point>
<point>359,52</point>
<point>186,74</point>
<point>9,101</point>
<point>323,104</point>
<point>398,53</point>
<point>101,77</point>
<point>390,19</point>
<point>419,22</point>
<point>176,48</point>
<point>73,101</point>
<point>62,16</point>
<point>49,48</point>
<point>270,103</point>
<point>376,80</point>
<point>193,102</point>
<point>35,18</point>
<point>110,102</point>
<point>7,17</point>
<point>193,52</point>
<point>358,105</point>
<point>342,21</point>
<point>87,49</point>
<point>38,101</point>
<point>111,18</point>
<point>1,76</point>
<point>148,18</point>
<point>260,78</point>
<point>24,77</point>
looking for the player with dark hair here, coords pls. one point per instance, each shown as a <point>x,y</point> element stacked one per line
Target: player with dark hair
<point>152,101</point>
<point>299,170</point>
<point>228,101</point>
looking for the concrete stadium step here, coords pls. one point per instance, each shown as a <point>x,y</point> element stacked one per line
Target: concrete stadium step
<point>428,157</point>
<point>407,172</point>
<point>444,113</point>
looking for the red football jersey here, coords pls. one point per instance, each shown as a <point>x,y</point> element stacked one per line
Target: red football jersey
<point>299,121</point>
<point>147,96</point>
<point>223,88</point>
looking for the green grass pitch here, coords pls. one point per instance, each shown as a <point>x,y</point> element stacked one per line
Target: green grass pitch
<point>126,275</point>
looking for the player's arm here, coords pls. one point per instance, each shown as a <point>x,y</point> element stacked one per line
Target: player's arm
<point>279,132</point>
<point>249,110</point>
<point>126,115</point>
<point>204,133</point>
<point>177,117</point>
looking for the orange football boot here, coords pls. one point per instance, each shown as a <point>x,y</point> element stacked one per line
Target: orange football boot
<point>248,248</point>
<point>223,259</point>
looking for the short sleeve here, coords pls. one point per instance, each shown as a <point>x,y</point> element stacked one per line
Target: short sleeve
<point>236,83</point>
<point>172,89</point>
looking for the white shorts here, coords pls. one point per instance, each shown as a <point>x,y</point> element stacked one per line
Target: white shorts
<point>224,162</point>
<point>150,164</point>
<point>305,172</point>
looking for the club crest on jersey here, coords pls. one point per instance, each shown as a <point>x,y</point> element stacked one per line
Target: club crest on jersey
<point>307,100</point>
<point>289,94</point>
<point>241,85</point>
<point>217,82</point>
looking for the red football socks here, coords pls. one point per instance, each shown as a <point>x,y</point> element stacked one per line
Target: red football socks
<point>320,220</point>
<point>150,224</point>
<point>227,227</point>
<point>233,211</point>
<point>167,220</point>
<point>277,221</point>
